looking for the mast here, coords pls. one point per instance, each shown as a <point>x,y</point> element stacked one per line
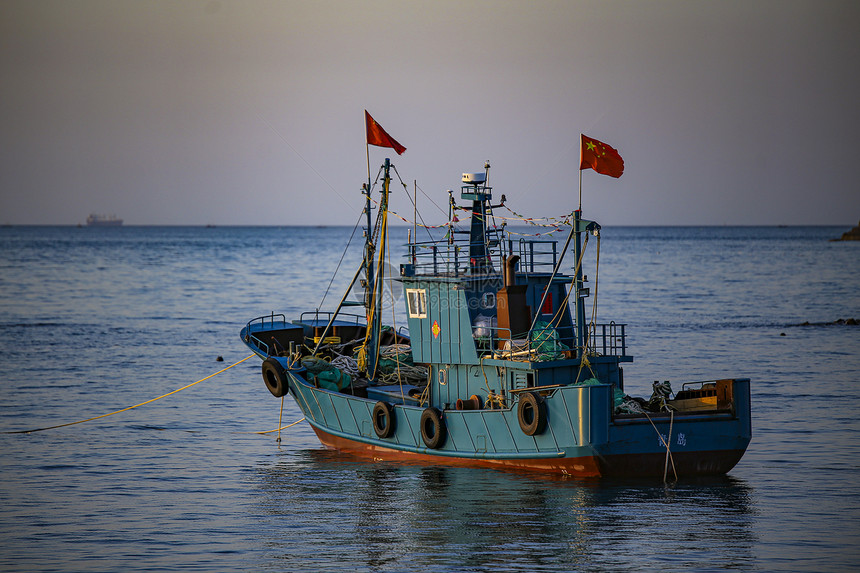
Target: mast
<point>369,353</point>
<point>580,292</point>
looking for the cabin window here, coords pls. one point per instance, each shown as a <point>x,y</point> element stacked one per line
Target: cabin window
<point>416,300</point>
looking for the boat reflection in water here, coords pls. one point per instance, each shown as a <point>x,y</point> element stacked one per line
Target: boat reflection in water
<point>323,506</point>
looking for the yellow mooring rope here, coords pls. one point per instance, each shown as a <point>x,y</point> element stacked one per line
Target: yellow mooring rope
<point>130,407</point>
<point>275,430</point>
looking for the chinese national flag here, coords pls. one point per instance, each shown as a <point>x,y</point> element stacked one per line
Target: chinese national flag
<point>601,157</point>
<point>377,136</point>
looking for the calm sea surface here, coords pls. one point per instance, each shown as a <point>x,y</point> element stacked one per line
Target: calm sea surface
<point>95,320</point>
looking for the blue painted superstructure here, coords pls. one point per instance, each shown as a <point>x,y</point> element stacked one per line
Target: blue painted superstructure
<point>500,366</point>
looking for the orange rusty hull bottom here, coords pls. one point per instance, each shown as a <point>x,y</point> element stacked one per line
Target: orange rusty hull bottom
<point>684,464</point>
<point>579,467</point>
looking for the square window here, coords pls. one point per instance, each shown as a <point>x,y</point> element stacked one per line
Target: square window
<point>416,300</point>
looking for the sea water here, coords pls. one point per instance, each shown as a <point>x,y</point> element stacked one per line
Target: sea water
<point>93,320</point>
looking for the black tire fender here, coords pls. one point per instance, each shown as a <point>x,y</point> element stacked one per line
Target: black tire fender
<point>531,413</point>
<point>275,377</point>
<point>432,428</point>
<point>383,419</point>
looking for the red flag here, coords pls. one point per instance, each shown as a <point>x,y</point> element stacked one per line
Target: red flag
<point>601,157</point>
<point>377,136</point>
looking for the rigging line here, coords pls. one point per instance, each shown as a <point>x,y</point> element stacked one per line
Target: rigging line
<point>415,206</point>
<point>333,315</point>
<point>378,290</point>
<point>555,269</point>
<point>566,300</point>
<point>424,224</point>
<point>555,221</point>
<point>669,455</point>
<point>431,200</point>
<point>564,304</point>
<point>375,181</point>
<point>340,261</point>
<point>668,452</point>
<point>284,139</point>
<point>405,220</point>
<point>379,279</point>
<point>596,277</point>
<point>394,320</point>
<point>376,230</point>
<point>555,228</point>
<point>130,407</point>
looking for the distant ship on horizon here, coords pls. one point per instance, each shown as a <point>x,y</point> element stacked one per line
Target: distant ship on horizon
<point>95,220</point>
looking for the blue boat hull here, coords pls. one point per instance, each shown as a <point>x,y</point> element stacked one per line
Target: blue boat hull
<point>581,437</point>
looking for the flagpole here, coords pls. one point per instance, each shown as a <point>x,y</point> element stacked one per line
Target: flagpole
<point>367,151</point>
<point>580,189</point>
<point>580,172</point>
<point>368,238</point>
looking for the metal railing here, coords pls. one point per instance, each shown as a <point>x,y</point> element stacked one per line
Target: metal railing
<point>261,320</point>
<point>603,340</point>
<point>608,339</point>
<point>450,257</point>
<point>324,316</point>
<point>536,255</point>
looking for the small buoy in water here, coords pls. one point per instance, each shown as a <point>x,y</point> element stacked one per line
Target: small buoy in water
<point>219,359</point>
<point>782,334</point>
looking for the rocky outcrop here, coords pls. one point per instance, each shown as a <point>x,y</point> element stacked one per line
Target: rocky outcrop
<point>852,235</point>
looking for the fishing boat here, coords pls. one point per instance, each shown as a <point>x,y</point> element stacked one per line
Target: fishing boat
<point>499,366</point>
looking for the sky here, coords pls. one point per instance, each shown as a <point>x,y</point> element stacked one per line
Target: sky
<point>251,112</point>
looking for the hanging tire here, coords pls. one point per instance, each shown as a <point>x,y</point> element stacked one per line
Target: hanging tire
<point>531,413</point>
<point>275,377</point>
<point>383,419</point>
<point>432,429</point>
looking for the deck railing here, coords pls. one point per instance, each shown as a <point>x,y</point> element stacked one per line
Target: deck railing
<point>603,340</point>
<point>608,339</point>
<point>451,256</point>
<point>262,321</point>
<point>322,317</point>
<point>536,255</point>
